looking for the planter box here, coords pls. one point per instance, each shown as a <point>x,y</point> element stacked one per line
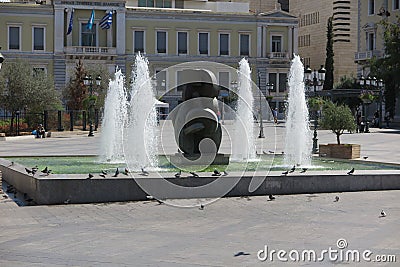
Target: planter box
<point>342,151</point>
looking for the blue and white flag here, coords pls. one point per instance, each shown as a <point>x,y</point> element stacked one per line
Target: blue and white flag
<point>89,25</point>
<point>106,21</point>
<point>71,21</point>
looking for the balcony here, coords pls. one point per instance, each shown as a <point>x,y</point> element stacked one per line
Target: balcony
<point>278,56</point>
<point>90,52</point>
<point>360,56</point>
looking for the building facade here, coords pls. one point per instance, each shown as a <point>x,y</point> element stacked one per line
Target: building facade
<point>370,34</point>
<point>312,41</point>
<point>168,32</point>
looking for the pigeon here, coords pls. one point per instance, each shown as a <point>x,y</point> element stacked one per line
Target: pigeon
<point>336,199</point>
<point>67,201</point>
<point>285,173</point>
<point>216,173</point>
<point>34,171</point>
<point>271,197</point>
<point>144,172</point>
<point>126,171</point>
<point>292,169</point>
<point>153,198</point>
<point>304,170</point>
<point>270,151</point>
<point>224,173</point>
<point>265,153</point>
<point>28,170</point>
<point>103,172</point>
<point>45,170</point>
<point>12,163</point>
<point>46,173</point>
<point>365,157</point>
<point>241,253</point>
<point>383,213</point>
<point>102,175</point>
<point>351,172</point>
<point>201,207</point>
<point>90,176</point>
<point>116,173</point>
<point>194,174</point>
<point>35,168</point>
<point>178,174</point>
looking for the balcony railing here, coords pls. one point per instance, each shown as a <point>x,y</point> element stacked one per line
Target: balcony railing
<point>367,55</point>
<point>278,55</point>
<point>90,50</point>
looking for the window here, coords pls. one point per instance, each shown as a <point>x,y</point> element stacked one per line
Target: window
<point>276,43</point>
<point>224,44</point>
<point>179,4</point>
<point>370,41</point>
<point>155,3</point>
<point>138,41</point>
<point>38,71</point>
<point>14,38</point>
<point>38,38</point>
<point>396,4</point>
<point>182,42</point>
<point>244,44</point>
<point>89,37</point>
<point>272,79</point>
<point>371,7</point>
<point>203,43</point>
<point>282,82</point>
<point>161,42</point>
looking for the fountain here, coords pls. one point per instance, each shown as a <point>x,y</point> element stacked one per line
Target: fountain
<point>140,135</point>
<point>243,124</point>
<point>298,136</point>
<point>113,123</point>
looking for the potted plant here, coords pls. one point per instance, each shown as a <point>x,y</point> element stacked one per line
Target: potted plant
<point>338,118</point>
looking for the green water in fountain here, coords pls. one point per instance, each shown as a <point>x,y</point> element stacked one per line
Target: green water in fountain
<point>79,165</point>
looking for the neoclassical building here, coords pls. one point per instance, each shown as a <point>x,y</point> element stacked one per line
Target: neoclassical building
<point>53,35</point>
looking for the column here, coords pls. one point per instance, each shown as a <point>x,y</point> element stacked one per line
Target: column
<point>259,41</point>
<point>120,22</point>
<point>264,40</point>
<point>290,42</point>
<point>59,30</point>
<point>295,40</point>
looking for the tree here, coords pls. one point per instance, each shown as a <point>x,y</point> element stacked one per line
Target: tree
<point>337,118</point>
<point>22,88</point>
<point>328,84</point>
<point>388,67</point>
<point>75,92</point>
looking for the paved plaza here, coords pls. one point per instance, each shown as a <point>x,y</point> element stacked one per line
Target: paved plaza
<point>228,232</point>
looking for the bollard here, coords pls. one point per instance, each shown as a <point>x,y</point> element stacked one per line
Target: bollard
<point>45,119</point>
<point>83,120</point>
<point>71,120</point>
<point>59,122</point>
<point>96,119</point>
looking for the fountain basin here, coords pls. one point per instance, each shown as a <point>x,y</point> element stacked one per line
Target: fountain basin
<point>76,188</point>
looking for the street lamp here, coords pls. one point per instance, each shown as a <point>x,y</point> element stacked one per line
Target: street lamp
<point>381,87</point>
<point>88,81</point>
<point>365,84</point>
<point>261,134</point>
<point>316,79</point>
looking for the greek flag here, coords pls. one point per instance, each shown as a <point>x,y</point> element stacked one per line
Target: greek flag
<point>71,20</point>
<point>89,25</point>
<point>106,21</point>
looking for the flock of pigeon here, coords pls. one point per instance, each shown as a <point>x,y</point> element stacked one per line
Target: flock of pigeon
<point>303,170</point>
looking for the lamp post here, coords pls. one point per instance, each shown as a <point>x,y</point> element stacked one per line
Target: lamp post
<point>381,87</point>
<point>261,134</point>
<point>88,81</point>
<point>365,84</point>
<point>316,79</point>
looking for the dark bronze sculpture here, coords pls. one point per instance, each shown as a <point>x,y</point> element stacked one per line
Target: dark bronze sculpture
<point>196,122</point>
